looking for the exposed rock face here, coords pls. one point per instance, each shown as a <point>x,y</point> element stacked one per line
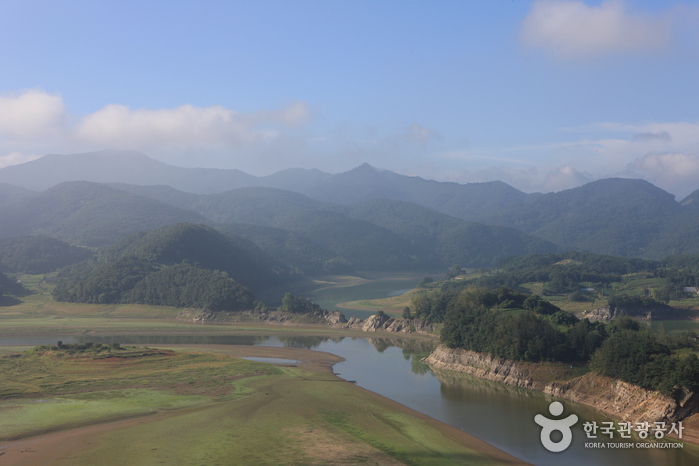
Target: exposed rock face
<point>481,365</point>
<point>376,322</point>
<point>335,317</point>
<point>617,398</point>
<point>389,324</point>
<point>621,399</point>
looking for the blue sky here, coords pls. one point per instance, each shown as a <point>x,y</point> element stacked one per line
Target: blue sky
<point>544,95</point>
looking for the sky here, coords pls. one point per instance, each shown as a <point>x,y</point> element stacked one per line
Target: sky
<point>544,95</point>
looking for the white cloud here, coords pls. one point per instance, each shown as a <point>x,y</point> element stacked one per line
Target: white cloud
<point>35,121</point>
<point>15,158</point>
<point>676,172</point>
<point>32,113</point>
<point>569,28</point>
<point>186,126</point>
<point>419,134</point>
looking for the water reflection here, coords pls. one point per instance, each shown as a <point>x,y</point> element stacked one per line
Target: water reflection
<point>307,342</point>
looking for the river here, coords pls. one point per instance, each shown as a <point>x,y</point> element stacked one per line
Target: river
<point>498,414</point>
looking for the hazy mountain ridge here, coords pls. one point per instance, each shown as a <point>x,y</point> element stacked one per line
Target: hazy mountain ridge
<point>10,193</point>
<point>611,216</point>
<point>38,254</point>
<point>111,166</point>
<point>88,214</point>
<point>616,216</point>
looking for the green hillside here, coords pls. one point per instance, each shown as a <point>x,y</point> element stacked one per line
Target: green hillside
<point>88,214</point>
<point>38,254</point>
<point>446,240</point>
<point>290,247</point>
<point>364,245</point>
<point>10,193</point>
<point>473,201</point>
<point>183,265</point>
<point>613,216</point>
<point>205,248</point>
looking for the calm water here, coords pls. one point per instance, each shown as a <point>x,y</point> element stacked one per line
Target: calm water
<point>500,415</point>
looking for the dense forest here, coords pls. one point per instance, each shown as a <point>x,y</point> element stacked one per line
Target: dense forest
<point>184,265</point>
<point>511,325</point>
<point>38,254</point>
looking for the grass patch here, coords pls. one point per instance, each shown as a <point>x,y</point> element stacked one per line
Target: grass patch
<point>290,418</point>
<point>48,388</point>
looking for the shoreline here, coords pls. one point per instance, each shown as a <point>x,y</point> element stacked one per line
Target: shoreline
<point>55,445</point>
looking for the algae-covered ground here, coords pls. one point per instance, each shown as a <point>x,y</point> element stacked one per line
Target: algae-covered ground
<point>209,408</point>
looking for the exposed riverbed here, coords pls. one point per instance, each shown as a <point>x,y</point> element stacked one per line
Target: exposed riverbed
<point>498,414</point>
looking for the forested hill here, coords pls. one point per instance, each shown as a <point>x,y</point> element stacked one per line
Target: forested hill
<point>473,201</point>
<point>206,248</point>
<point>380,234</point>
<point>10,193</point>
<point>448,240</point>
<point>623,217</point>
<point>183,265</point>
<point>88,214</point>
<point>38,254</point>
<point>614,216</point>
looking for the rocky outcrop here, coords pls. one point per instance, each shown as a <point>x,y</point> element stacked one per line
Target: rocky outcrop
<point>335,319</point>
<point>383,322</point>
<point>482,365</point>
<point>199,316</point>
<point>620,399</point>
<point>627,401</point>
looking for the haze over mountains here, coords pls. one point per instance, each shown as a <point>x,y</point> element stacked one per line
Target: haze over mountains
<point>361,219</point>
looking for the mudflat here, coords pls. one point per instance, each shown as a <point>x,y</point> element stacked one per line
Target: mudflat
<point>302,414</point>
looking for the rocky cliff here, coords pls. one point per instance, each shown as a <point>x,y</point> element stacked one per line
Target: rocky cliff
<point>389,324</point>
<point>482,365</point>
<point>620,399</point>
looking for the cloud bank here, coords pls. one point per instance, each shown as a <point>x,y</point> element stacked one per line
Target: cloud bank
<point>38,121</point>
<point>569,29</point>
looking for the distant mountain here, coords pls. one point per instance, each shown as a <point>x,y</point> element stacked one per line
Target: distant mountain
<point>290,247</point>
<point>691,201</point>
<point>182,265</point>
<point>10,193</point>
<point>364,245</point>
<point>111,166</point>
<point>88,214</point>
<point>473,201</point>
<point>449,240</point>
<point>205,248</point>
<point>294,179</point>
<point>38,254</point>
<point>614,216</point>
<point>469,202</point>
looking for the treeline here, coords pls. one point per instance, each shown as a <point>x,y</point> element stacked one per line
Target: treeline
<point>132,280</point>
<point>564,272</point>
<point>184,265</point>
<point>501,323</point>
<point>299,305</point>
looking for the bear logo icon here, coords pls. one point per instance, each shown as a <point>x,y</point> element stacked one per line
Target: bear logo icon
<point>548,426</point>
